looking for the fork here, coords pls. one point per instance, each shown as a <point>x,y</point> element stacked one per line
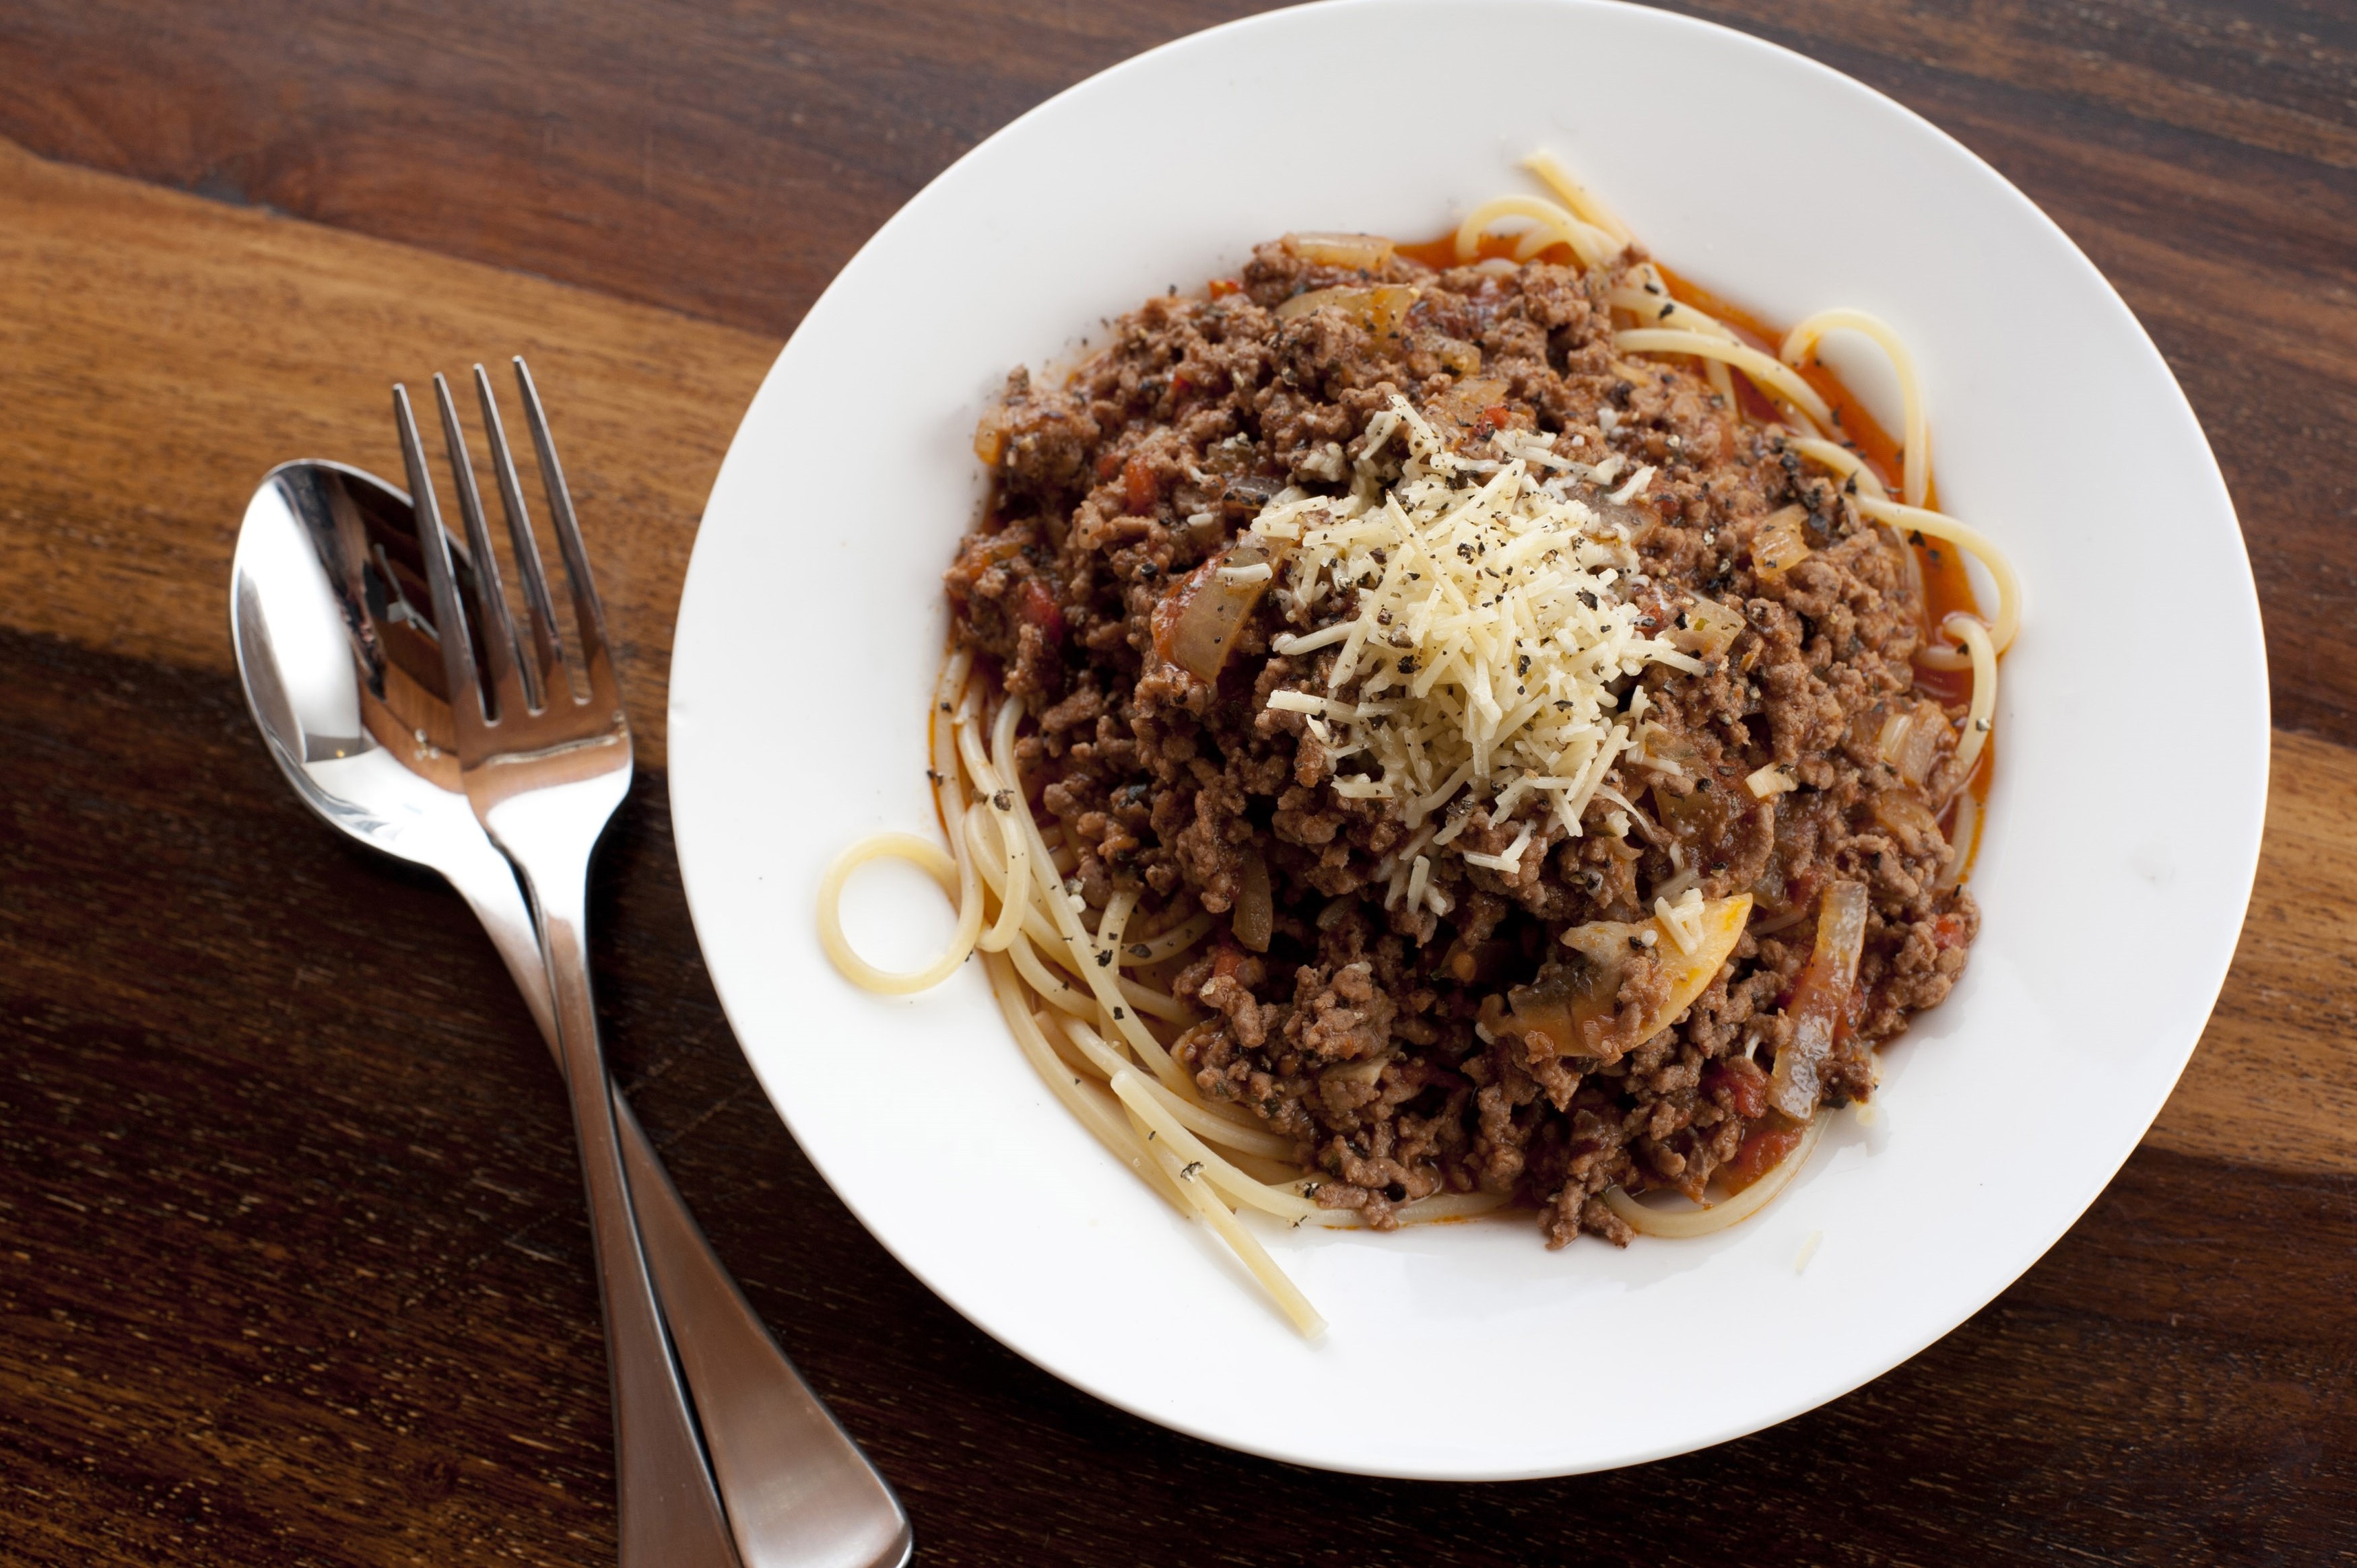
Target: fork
<point>545,770</point>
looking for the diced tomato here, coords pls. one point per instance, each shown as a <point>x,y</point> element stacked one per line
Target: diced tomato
<point>1140,490</point>
<point>1035,605</point>
<point>1223,287</point>
<point>1948,931</point>
<point>1746,1086</point>
<point>1762,1152</point>
<point>1226,959</point>
<point>1108,465</point>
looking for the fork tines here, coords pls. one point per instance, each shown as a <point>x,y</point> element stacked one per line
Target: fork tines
<point>518,685</point>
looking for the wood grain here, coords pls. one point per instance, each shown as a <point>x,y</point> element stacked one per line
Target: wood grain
<point>578,142</point>
<point>2275,1079</point>
<point>2204,154</point>
<point>291,1262</point>
<point>160,353</point>
<point>80,251</point>
<point>296,1274</point>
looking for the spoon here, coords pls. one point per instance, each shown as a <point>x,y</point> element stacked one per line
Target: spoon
<point>337,651</point>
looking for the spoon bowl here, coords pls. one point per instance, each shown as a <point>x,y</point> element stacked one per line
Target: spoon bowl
<point>343,670</point>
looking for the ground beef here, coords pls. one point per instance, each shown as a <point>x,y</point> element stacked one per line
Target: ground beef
<point>1354,1034</point>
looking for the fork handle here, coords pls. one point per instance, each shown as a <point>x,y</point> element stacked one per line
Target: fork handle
<point>669,1511</point>
<point>796,1489</point>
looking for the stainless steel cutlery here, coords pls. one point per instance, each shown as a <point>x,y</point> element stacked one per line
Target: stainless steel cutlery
<point>384,667</point>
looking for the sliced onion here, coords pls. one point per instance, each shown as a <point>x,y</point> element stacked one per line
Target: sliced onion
<point>1710,631</point>
<point>1197,626</point>
<point>1555,1021</point>
<point>1781,542</point>
<point>1362,1073</point>
<point>1378,309</point>
<point>1364,251</point>
<point>1818,999</point>
<point>1901,812</point>
<point>1464,402</point>
<point>1909,741</point>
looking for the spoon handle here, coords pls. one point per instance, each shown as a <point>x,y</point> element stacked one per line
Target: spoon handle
<point>669,1511</point>
<point>799,1490</point>
<point>487,882</point>
<point>796,1487</point>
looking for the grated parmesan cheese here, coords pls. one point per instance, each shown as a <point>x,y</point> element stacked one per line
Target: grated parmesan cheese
<point>1683,920</point>
<point>1508,860</point>
<point>1486,624</point>
<point>1635,487</point>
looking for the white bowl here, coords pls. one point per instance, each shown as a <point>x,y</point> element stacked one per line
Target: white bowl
<point>2121,835</point>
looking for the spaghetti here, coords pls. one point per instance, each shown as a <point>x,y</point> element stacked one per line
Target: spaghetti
<point>1225,688</point>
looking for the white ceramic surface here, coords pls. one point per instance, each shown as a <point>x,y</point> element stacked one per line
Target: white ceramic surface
<point>2114,873</point>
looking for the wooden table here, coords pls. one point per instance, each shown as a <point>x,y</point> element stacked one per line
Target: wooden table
<point>291,1257</point>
